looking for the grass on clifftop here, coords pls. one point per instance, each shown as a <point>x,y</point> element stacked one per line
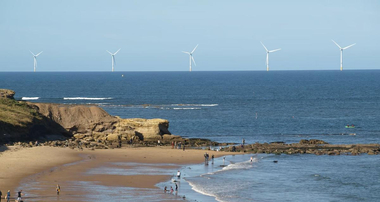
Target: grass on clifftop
<point>17,113</point>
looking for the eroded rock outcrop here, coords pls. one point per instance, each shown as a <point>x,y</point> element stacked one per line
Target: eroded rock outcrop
<point>23,121</point>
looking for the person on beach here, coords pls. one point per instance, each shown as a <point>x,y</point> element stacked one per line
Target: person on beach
<point>183,147</point>
<point>251,158</point>
<point>212,159</point>
<point>171,190</point>
<point>19,194</point>
<point>58,189</point>
<point>172,145</point>
<point>176,187</point>
<point>8,196</point>
<point>178,174</point>
<point>205,158</point>
<point>1,195</point>
<point>159,142</point>
<point>224,159</point>
<point>165,189</point>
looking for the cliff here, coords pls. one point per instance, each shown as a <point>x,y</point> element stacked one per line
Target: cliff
<point>23,121</point>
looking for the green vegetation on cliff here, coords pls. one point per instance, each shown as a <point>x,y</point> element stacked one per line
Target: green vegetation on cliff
<point>16,114</point>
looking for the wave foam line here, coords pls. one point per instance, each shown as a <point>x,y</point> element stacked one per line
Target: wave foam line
<point>177,108</point>
<point>87,98</point>
<point>30,98</point>
<point>196,189</point>
<point>196,105</point>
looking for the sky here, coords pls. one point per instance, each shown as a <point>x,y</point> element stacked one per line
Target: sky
<point>74,35</point>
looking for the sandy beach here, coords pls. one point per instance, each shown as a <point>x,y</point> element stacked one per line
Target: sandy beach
<point>45,167</point>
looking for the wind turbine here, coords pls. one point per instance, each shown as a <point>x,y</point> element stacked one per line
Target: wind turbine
<point>341,53</point>
<point>271,51</point>
<point>35,59</point>
<point>191,56</point>
<point>113,58</point>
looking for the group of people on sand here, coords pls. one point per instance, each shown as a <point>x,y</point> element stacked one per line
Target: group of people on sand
<point>8,196</point>
<point>20,194</point>
<point>176,185</point>
<point>178,145</point>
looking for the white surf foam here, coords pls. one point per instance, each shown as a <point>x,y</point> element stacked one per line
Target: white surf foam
<point>87,98</point>
<point>199,190</point>
<point>196,105</point>
<point>241,165</point>
<point>186,108</point>
<point>30,98</point>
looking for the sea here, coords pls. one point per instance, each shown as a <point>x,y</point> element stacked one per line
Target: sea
<point>229,106</point>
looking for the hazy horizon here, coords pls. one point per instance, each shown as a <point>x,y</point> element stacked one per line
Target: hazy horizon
<point>74,36</point>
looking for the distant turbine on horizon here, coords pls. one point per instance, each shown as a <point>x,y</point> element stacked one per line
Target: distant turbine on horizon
<point>191,56</point>
<point>271,51</point>
<point>113,58</point>
<point>35,59</point>
<point>341,53</point>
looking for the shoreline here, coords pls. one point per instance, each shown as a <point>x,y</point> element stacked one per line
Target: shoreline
<point>63,166</point>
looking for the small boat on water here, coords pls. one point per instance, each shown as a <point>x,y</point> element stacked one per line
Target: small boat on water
<point>350,126</point>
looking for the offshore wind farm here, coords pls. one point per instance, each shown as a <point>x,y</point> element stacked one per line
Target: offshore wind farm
<point>192,108</point>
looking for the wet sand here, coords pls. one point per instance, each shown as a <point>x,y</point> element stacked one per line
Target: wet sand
<point>37,170</point>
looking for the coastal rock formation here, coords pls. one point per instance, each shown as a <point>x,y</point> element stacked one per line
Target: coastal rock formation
<point>23,121</point>
<point>317,147</point>
<point>5,93</point>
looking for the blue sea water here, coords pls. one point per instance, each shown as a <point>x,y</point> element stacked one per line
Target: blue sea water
<point>229,106</point>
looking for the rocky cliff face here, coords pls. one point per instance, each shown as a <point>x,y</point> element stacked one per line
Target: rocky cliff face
<point>21,121</point>
<point>92,122</point>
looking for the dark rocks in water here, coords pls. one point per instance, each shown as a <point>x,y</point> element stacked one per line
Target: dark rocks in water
<point>317,147</point>
<point>275,161</point>
<point>312,141</point>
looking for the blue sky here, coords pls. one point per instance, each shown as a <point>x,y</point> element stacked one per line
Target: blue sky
<point>75,35</point>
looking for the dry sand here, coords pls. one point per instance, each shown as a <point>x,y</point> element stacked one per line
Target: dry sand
<point>53,166</point>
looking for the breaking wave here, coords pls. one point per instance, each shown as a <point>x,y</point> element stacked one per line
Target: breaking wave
<point>87,98</point>
<point>195,105</point>
<point>30,98</point>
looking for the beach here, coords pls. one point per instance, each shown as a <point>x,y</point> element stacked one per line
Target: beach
<point>38,170</point>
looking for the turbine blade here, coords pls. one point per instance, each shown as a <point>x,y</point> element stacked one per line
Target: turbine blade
<point>186,52</point>
<point>39,53</point>
<point>264,46</point>
<point>274,50</point>
<point>335,43</point>
<point>32,53</point>
<point>193,60</point>
<point>348,46</point>
<point>194,48</point>
<point>117,51</point>
<point>109,52</point>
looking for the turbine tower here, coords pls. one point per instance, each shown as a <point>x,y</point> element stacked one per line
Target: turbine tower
<point>191,56</point>
<point>341,53</point>
<point>271,51</point>
<point>35,59</point>
<point>113,58</point>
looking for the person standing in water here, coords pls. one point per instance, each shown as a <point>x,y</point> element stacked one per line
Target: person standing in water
<point>212,158</point>
<point>179,174</point>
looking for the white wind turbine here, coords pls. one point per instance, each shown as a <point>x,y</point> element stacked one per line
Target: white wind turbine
<point>191,56</point>
<point>271,51</point>
<point>341,53</point>
<point>35,59</point>
<point>113,58</point>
